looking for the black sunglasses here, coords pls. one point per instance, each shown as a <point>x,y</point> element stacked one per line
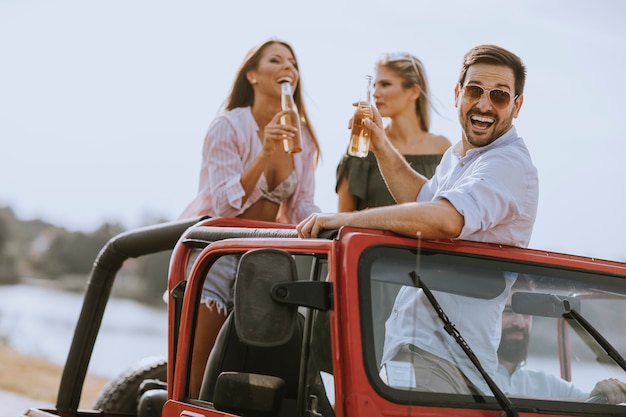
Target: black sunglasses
<point>499,98</point>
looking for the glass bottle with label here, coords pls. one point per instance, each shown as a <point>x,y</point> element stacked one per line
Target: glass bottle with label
<point>290,144</point>
<point>360,136</point>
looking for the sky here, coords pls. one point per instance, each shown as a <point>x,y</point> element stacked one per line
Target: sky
<point>104,104</point>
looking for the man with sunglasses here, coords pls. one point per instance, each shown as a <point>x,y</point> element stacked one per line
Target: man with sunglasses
<point>485,189</point>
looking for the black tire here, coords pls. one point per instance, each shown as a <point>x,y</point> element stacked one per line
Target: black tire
<point>120,394</point>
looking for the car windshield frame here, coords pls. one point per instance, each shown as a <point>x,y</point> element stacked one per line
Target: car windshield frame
<point>386,266</point>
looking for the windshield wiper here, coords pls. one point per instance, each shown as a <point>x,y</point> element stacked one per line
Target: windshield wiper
<point>552,305</point>
<point>502,399</point>
<point>572,314</point>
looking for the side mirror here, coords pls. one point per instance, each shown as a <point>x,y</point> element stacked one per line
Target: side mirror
<point>259,320</point>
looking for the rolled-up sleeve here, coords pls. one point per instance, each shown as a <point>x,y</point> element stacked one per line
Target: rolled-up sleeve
<point>491,197</point>
<point>222,158</point>
<point>484,198</point>
<point>228,148</point>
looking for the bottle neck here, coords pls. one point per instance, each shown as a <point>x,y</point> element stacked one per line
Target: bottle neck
<point>286,88</point>
<point>286,98</point>
<point>367,91</point>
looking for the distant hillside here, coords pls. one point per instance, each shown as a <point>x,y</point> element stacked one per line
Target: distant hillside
<point>37,250</point>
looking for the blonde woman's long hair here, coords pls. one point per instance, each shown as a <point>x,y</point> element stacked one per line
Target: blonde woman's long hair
<point>412,72</point>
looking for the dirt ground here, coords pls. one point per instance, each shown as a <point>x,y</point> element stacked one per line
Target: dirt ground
<point>39,379</point>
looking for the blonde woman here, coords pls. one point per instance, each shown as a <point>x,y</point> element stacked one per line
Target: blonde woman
<point>401,94</point>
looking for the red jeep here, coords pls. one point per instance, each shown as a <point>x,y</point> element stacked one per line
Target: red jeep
<point>306,335</point>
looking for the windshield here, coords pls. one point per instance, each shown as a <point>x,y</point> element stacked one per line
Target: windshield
<point>515,317</point>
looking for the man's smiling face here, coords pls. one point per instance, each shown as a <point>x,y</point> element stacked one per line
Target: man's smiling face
<point>482,120</point>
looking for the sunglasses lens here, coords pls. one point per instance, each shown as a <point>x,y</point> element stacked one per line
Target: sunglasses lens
<point>473,92</point>
<point>499,98</point>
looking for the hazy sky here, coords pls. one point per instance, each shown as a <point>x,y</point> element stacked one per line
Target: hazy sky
<point>104,104</point>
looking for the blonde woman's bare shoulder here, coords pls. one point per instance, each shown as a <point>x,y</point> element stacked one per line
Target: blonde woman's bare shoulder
<point>441,142</point>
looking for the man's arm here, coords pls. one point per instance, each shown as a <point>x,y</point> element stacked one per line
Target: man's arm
<point>403,182</point>
<point>432,220</point>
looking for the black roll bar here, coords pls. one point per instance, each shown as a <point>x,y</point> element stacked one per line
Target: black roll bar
<point>130,244</point>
